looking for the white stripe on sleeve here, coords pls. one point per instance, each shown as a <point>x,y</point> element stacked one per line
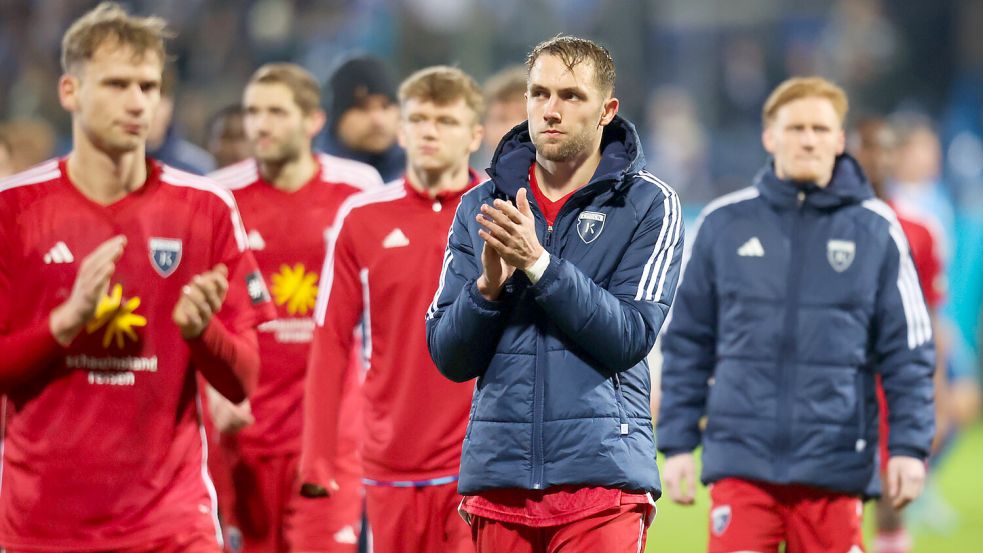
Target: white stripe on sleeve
<point>669,234</point>
<point>917,320</point>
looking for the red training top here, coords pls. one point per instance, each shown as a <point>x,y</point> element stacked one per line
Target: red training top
<point>382,268</point>
<point>926,256</point>
<point>102,446</point>
<point>286,232</point>
<point>549,207</point>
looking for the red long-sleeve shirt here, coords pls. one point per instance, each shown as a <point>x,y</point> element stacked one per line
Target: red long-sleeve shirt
<point>287,231</point>
<point>382,268</point>
<point>102,447</point>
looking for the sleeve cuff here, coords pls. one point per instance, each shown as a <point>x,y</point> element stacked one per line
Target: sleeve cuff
<point>535,271</point>
<point>905,451</point>
<point>483,304</point>
<point>675,451</point>
<point>316,472</point>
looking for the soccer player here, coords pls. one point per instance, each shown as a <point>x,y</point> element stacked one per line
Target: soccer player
<point>288,196</point>
<point>120,278</point>
<point>505,98</point>
<point>364,118</point>
<point>382,267</point>
<point>875,145</point>
<point>552,302</point>
<point>798,291</point>
<point>227,142</point>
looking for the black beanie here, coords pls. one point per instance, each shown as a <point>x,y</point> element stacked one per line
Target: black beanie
<point>354,79</point>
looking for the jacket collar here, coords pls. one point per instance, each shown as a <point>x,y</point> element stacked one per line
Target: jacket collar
<point>621,153</point>
<point>848,186</point>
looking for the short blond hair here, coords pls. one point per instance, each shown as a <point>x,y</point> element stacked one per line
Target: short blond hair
<point>797,88</point>
<point>573,51</point>
<point>442,84</point>
<point>302,84</point>
<point>109,22</point>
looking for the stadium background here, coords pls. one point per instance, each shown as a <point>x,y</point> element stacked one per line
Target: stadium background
<point>692,74</point>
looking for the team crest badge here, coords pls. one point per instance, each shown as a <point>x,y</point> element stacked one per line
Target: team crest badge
<point>233,538</point>
<point>165,255</point>
<point>720,519</point>
<point>840,254</point>
<point>589,225</point>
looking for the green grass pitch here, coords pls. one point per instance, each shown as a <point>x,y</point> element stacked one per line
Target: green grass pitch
<point>684,530</point>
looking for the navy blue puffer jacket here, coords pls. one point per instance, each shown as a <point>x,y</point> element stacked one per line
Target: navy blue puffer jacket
<point>562,395</point>
<point>792,299</point>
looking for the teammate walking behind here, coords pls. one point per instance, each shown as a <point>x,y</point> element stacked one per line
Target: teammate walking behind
<point>382,269</point>
<point>798,291</point>
<point>288,196</point>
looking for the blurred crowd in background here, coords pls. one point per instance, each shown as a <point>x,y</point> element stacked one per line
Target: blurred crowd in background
<point>693,75</point>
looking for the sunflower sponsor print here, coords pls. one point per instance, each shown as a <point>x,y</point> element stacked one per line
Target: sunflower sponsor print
<point>295,288</point>
<point>117,320</point>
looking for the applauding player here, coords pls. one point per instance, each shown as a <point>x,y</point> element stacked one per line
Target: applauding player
<point>120,277</point>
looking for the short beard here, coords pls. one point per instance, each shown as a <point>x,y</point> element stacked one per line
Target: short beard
<point>283,155</point>
<point>564,150</point>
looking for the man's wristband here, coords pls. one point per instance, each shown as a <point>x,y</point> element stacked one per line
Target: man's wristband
<point>536,270</point>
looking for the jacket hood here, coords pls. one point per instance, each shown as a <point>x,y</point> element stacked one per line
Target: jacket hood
<point>621,153</point>
<point>848,186</point>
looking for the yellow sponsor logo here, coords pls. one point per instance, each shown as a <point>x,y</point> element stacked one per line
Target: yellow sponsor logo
<point>117,317</point>
<point>296,288</point>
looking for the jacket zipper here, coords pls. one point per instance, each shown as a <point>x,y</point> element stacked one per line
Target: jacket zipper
<point>789,343</point>
<point>538,392</point>
<point>538,397</point>
<point>861,444</point>
<point>619,396</point>
<point>471,412</point>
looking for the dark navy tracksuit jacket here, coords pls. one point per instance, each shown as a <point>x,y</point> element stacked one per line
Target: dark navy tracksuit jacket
<point>562,392</point>
<point>792,299</point>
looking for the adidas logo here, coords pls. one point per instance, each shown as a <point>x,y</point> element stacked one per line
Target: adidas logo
<point>346,535</point>
<point>395,239</point>
<point>59,253</point>
<point>751,248</point>
<point>256,242</point>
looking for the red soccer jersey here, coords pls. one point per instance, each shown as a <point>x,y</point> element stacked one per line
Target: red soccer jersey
<point>286,233</point>
<point>104,449</point>
<point>926,256</point>
<point>383,266</point>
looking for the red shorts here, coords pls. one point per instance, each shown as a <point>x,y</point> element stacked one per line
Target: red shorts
<point>268,515</point>
<point>193,541</point>
<point>618,530</point>
<point>756,516</point>
<point>416,520</point>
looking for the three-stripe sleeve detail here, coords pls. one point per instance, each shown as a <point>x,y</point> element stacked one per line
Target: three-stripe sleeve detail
<point>916,313</point>
<point>656,270</point>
